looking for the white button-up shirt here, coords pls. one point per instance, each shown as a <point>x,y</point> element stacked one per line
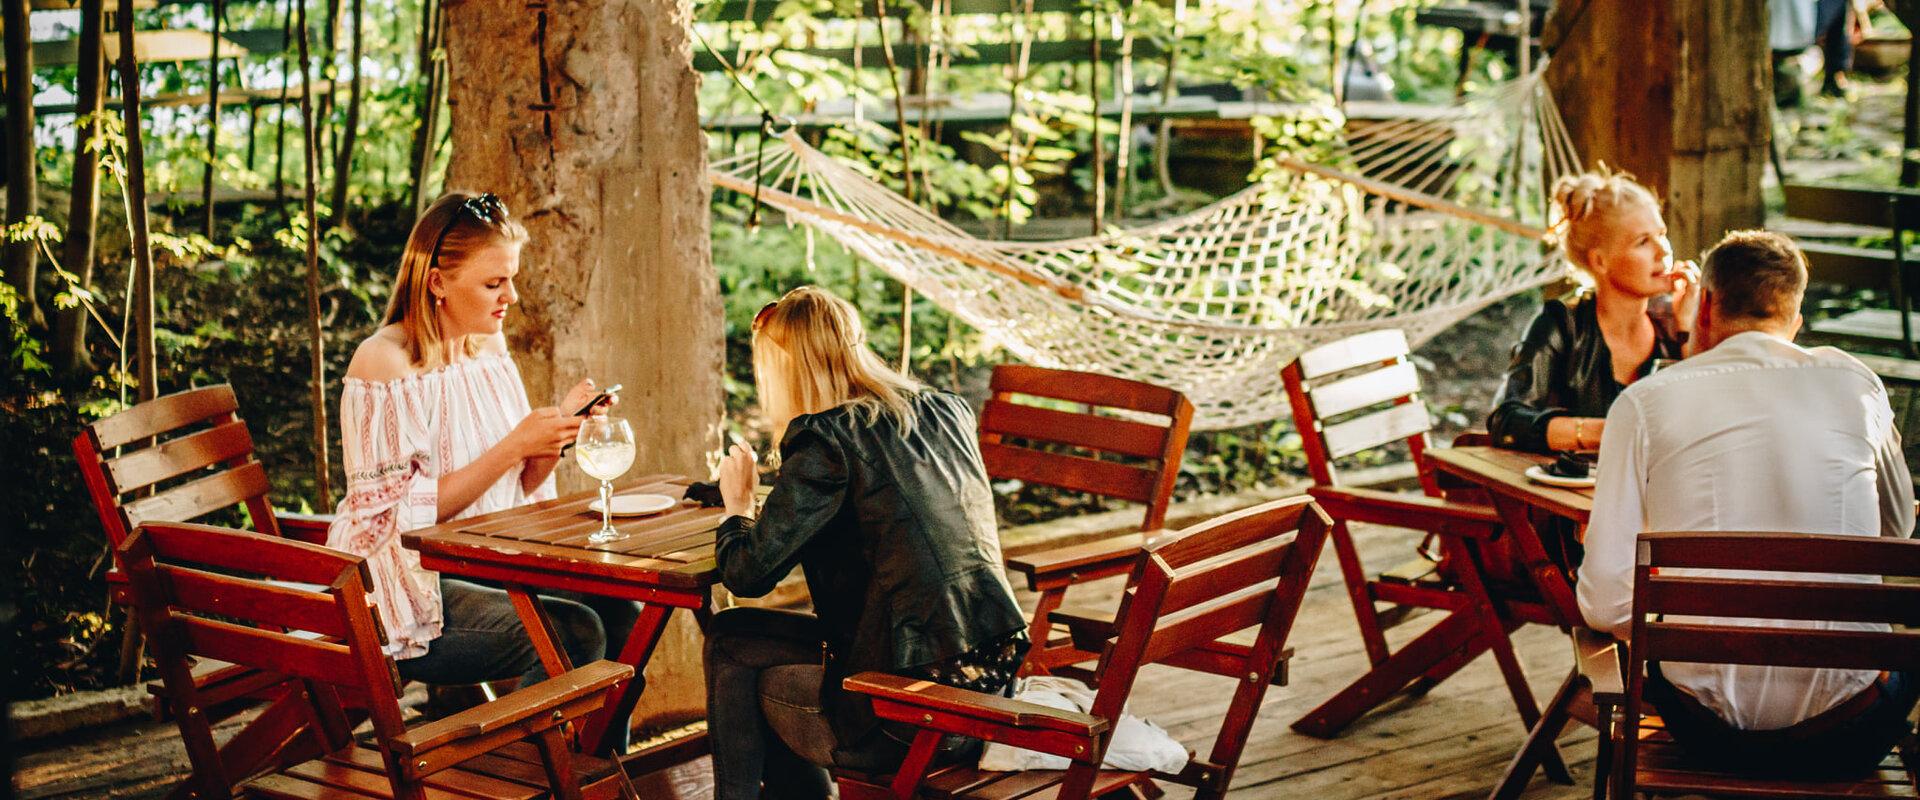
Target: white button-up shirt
<point>1757,434</point>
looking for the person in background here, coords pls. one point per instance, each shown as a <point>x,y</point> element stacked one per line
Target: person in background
<point>882,500</point>
<point>435,425</point>
<point>1754,433</point>
<point>1578,354</point>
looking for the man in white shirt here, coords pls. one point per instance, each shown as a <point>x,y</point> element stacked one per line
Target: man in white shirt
<point>1753,433</point>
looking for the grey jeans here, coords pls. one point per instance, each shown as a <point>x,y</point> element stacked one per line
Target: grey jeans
<point>481,638</point>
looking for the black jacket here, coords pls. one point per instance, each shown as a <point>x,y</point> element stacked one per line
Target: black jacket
<point>896,536</point>
<point>1563,367</point>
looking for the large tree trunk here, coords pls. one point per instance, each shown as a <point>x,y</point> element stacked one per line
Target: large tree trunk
<point>23,259</point>
<point>1678,93</point>
<point>83,208</point>
<point>581,115</point>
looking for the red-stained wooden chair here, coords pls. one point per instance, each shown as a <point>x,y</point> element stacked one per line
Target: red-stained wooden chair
<point>301,610</point>
<point>1125,445</point>
<point>1667,626</point>
<point>179,458</point>
<point>1243,570</point>
<point>1361,393</point>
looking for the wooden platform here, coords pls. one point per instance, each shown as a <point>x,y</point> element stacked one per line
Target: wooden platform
<point>1452,743</point>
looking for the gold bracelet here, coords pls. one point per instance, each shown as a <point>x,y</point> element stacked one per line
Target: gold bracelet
<point>1579,433</point>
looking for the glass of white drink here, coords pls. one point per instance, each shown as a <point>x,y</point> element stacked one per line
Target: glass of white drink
<point>604,449</point>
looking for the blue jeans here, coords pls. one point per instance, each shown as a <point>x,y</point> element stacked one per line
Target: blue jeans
<point>481,638</point>
<point>1839,748</point>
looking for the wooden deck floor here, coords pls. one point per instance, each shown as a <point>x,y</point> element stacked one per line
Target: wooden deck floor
<point>1451,743</point>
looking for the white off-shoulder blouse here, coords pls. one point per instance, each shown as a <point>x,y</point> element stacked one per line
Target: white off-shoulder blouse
<point>397,438</point>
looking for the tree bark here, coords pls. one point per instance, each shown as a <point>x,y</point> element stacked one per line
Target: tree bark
<point>581,115</point>
<point>350,133</point>
<point>83,207</point>
<point>1677,93</point>
<point>317,350</point>
<point>1909,13</point>
<point>23,258</point>
<point>213,127</point>
<point>146,367</point>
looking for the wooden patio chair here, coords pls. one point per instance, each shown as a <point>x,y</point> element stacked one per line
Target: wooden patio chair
<point>301,610</point>
<point>1355,395</point>
<point>1646,759</point>
<point>1239,571</point>
<point>1133,457</point>
<point>180,458</point>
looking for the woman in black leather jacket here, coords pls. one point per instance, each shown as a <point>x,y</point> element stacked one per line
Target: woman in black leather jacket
<point>883,502</point>
<point>1576,357</point>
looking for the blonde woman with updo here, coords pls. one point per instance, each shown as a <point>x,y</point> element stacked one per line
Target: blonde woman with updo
<point>435,425</point>
<point>1580,352</point>
<point>882,500</point>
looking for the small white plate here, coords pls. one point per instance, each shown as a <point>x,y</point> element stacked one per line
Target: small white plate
<point>1539,474</point>
<point>633,505</point>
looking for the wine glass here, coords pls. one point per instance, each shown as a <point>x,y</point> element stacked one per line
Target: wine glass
<point>604,449</point>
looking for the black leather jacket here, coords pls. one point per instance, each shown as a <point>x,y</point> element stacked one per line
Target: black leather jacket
<point>1562,367</point>
<point>897,539</point>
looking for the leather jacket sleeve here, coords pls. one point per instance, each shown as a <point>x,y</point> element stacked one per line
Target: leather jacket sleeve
<point>1529,398</point>
<point>754,554</point>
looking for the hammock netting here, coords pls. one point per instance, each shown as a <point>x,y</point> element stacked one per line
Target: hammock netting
<point>1411,223</point>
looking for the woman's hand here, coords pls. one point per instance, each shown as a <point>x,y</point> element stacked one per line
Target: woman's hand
<point>544,431</point>
<point>738,478</point>
<point>1685,286</point>
<point>583,392</point>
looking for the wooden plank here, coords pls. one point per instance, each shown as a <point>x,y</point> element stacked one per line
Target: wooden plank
<point>759,11</point>
<point>1772,599</point>
<point>543,557</point>
<point>466,780</point>
<point>228,97</point>
<point>1086,388</point>
<point>1853,204</point>
<point>278,652</point>
<point>1378,428</point>
<point>1103,434</point>
<point>255,601</point>
<point>1073,51</point>
<point>198,498</point>
<point>1847,265</point>
<point>1780,647</point>
<point>1783,552</point>
<point>149,47</point>
<point>1366,348</point>
<point>163,414</point>
<point>249,553</point>
<point>176,457</point>
<point>1358,392</point>
<point>1870,324</point>
<point>1074,473</point>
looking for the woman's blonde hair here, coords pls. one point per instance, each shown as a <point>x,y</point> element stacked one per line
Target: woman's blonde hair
<point>810,354</point>
<point>1584,205</point>
<point>455,227</point>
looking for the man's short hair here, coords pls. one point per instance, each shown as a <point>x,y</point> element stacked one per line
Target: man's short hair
<point>1755,275</point>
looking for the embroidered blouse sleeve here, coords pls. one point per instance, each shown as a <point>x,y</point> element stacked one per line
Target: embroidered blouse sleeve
<point>392,487</point>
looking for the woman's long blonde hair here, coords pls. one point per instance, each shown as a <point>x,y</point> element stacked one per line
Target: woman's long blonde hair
<point>1585,205</point>
<point>810,354</point>
<point>459,225</point>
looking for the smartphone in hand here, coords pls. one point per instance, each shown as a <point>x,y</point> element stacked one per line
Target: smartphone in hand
<point>597,400</point>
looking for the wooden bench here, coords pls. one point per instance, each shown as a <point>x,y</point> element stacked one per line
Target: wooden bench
<point>1894,211</point>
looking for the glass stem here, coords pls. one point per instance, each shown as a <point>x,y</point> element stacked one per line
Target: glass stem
<point>606,506</point>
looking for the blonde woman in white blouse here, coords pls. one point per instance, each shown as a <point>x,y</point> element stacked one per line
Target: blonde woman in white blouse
<point>435,425</point>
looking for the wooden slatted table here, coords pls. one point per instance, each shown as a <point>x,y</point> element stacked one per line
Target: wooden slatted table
<point>665,562</point>
<point>1503,474</point>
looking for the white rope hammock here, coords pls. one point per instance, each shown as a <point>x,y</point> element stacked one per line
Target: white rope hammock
<point>1447,219</point>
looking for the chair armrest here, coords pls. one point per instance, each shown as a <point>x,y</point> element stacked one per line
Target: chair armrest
<point>1597,657</point>
<point>530,704</point>
<point>1110,556</point>
<point>989,708</point>
<point>1418,512</point>
<point>304,527</point>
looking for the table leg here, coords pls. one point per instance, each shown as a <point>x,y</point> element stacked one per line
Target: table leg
<point>1519,524</point>
<point>1540,742</point>
<point>1458,630</point>
<point>639,648</point>
<point>540,630</point>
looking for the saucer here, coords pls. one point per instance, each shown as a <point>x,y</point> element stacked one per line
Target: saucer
<point>1539,474</point>
<point>632,505</point>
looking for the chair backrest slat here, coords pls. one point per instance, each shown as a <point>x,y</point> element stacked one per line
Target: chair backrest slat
<point>1783,552</point>
<point>1353,351</point>
<point>1367,389</point>
<point>1895,604</point>
<point>257,602</point>
<point>163,414</point>
<point>1109,435</point>
<point>1208,621</point>
<point>326,662</point>
<point>171,459</point>
<point>215,547</point>
<point>200,497</point>
<point>1779,647</point>
<point>1121,453</point>
<point>1375,429</point>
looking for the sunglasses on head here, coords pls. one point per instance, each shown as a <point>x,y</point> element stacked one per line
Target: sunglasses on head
<point>765,312</point>
<point>485,207</point>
